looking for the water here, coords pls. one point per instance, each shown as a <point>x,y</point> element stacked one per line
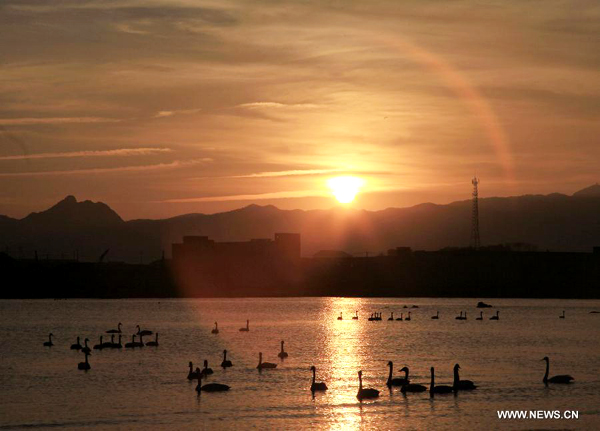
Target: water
<point>147,388</point>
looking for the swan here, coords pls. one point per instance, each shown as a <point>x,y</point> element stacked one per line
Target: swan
<point>84,365</point>
<point>226,363</point>
<point>85,348</point>
<point>283,354</point>
<point>153,343</point>
<point>115,331</point>
<point>391,317</point>
<point>118,345</point>
<point>193,374</point>
<point>437,316</point>
<point>371,318</point>
<point>132,344</point>
<point>262,364</point>
<point>207,371</point>
<point>459,317</point>
<point>49,343</point>
<point>565,378</point>
<point>99,346</point>
<point>316,386</point>
<point>365,393</point>
<point>411,387</point>
<point>76,346</point>
<point>378,316</point>
<point>462,385</point>
<point>408,317</point>
<point>210,387</point>
<point>496,317</point>
<point>144,332</point>
<point>562,316</point>
<point>438,389</point>
<point>247,328</point>
<point>141,342</point>
<point>108,344</point>
<point>355,317</point>
<point>400,318</point>
<point>480,316</point>
<point>340,316</point>
<point>398,381</point>
<point>216,330</point>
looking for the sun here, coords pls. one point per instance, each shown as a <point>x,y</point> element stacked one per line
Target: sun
<point>345,188</point>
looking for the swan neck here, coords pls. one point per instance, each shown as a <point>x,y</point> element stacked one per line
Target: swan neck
<point>547,370</point>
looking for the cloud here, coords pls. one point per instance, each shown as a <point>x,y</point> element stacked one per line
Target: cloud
<point>159,166</point>
<point>55,120</point>
<point>163,114</point>
<point>277,105</point>
<point>261,196</point>
<point>287,173</point>
<point>90,153</point>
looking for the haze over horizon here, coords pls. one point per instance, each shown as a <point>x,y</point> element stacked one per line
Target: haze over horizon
<point>168,107</point>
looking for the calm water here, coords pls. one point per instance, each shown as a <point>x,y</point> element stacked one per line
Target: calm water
<point>147,388</point>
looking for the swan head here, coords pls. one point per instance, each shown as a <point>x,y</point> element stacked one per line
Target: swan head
<point>224,352</point>
<point>432,370</point>
<point>190,364</point>
<point>546,358</point>
<point>405,369</point>
<point>198,372</point>
<point>205,363</point>
<point>313,368</point>
<point>360,373</point>
<point>390,364</point>
<point>86,340</point>
<point>457,367</point>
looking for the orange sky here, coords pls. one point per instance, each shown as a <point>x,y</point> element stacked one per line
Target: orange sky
<point>164,107</point>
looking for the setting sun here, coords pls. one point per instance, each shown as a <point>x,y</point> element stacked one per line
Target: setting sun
<point>345,188</point>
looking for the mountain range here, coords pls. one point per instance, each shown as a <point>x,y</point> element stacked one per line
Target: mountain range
<point>554,222</point>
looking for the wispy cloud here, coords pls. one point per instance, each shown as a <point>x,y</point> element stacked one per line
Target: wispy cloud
<point>277,105</point>
<point>162,114</point>
<point>91,153</point>
<point>55,120</point>
<point>158,166</point>
<point>287,173</point>
<point>261,196</point>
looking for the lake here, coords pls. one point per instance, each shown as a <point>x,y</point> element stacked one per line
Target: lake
<point>147,388</point>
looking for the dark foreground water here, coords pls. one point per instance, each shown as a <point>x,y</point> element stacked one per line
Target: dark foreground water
<point>147,388</point>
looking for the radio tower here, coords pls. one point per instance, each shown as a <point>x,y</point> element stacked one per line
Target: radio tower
<point>475,242</point>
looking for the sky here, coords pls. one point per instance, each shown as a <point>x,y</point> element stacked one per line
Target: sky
<point>165,107</point>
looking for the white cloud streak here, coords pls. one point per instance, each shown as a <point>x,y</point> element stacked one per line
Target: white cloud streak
<point>92,153</point>
<point>288,173</point>
<point>55,120</point>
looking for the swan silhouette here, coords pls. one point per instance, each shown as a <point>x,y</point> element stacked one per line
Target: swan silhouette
<point>459,317</point>
<point>226,363</point>
<point>442,389</point>
<point>153,343</point>
<point>408,317</point>
<point>480,316</point>
<point>365,393</point>
<point>210,387</point>
<point>398,381</point>
<point>565,378</point>
<point>562,316</point>
<point>85,348</point>
<point>461,385</point>
<point>193,374</point>
<point>400,318</point>
<point>76,346</point>
<point>262,364</point>
<point>216,329</point>
<point>141,342</point>
<point>247,328</point>
<point>115,331</point>
<point>108,344</point>
<point>118,344</point>
<point>340,317</point>
<point>411,387</point>
<point>497,316</point>
<point>437,316</point>
<point>316,386</point>
<point>84,365</point>
<point>132,344</point>
<point>99,346</point>
<point>283,354</point>
<point>355,317</point>
<point>49,343</point>
<point>207,371</point>
<point>144,332</point>
<point>391,316</point>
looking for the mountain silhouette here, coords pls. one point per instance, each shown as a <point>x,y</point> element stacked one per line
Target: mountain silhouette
<point>553,222</point>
